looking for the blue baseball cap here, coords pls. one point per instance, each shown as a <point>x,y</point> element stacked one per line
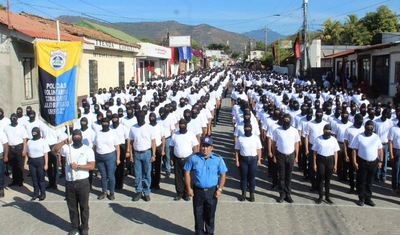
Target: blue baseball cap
<point>207,140</point>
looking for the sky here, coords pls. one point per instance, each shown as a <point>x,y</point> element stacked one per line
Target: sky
<point>282,16</point>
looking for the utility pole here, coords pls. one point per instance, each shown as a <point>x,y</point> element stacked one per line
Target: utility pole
<point>266,39</point>
<point>305,39</point>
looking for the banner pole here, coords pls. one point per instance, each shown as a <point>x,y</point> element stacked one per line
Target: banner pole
<point>58,30</point>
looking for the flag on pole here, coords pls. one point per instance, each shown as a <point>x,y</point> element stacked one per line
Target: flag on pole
<point>57,64</point>
<point>273,50</point>
<point>185,53</point>
<point>296,47</point>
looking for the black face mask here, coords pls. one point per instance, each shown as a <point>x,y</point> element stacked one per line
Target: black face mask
<point>31,118</point>
<point>318,118</point>
<point>357,124</point>
<point>182,104</point>
<point>345,120</point>
<point>188,118</point>
<point>337,115</point>
<point>326,135</point>
<point>363,112</point>
<point>153,121</point>
<point>84,127</point>
<point>36,136</point>
<point>120,115</point>
<point>353,112</point>
<point>276,116</point>
<point>309,117</point>
<point>303,112</point>
<point>119,103</point>
<point>86,110</point>
<point>182,129</point>
<point>106,127</point>
<point>14,122</point>
<point>368,131</point>
<point>129,115</point>
<point>1,116</point>
<point>246,120</point>
<point>19,114</point>
<point>371,116</point>
<point>115,124</point>
<point>383,118</point>
<point>286,125</point>
<point>141,120</point>
<point>296,107</point>
<point>328,112</point>
<point>194,115</point>
<point>247,132</point>
<point>77,142</point>
<point>152,108</point>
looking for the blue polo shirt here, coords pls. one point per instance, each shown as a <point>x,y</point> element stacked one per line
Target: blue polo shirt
<point>205,171</point>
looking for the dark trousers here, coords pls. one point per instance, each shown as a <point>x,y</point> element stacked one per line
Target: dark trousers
<point>311,173</point>
<point>36,168</point>
<point>324,172</point>
<point>367,172</point>
<point>179,180</point>
<point>273,170</point>
<point>77,194</point>
<point>302,163</point>
<point>156,169</point>
<point>52,170</point>
<point>120,170</point>
<point>204,207</point>
<point>285,167</point>
<point>248,171</point>
<point>352,170</point>
<point>342,166</point>
<point>16,161</point>
<point>62,167</point>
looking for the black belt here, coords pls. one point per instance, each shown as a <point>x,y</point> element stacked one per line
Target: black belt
<point>340,142</point>
<point>142,151</point>
<point>205,189</point>
<point>15,146</point>
<point>181,158</point>
<point>77,181</point>
<point>168,137</point>
<point>286,155</point>
<point>384,143</point>
<point>321,156</point>
<point>366,160</point>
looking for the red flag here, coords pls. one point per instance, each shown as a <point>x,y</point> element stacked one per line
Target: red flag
<point>273,50</point>
<point>296,47</point>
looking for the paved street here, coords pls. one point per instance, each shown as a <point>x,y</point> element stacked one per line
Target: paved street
<point>164,216</point>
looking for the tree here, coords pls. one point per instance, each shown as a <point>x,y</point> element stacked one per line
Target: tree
<point>2,7</point>
<point>332,32</point>
<point>219,46</point>
<point>235,55</point>
<point>383,20</point>
<point>260,46</point>
<point>195,45</point>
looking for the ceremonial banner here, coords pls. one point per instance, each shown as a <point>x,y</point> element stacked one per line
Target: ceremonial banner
<point>285,44</point>
<point>185,53</point>
<point>296,47</point>
<point>57,64</point>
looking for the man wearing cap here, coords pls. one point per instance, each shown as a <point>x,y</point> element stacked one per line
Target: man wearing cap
<point>77,186</point>
<point>201,178</point>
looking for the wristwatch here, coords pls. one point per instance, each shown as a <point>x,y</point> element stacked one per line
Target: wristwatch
<point>79,167</point>
<point>220,189</point>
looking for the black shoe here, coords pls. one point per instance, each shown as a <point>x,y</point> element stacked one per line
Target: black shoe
<point>186,198</point>
<point>34,198</point>
<point>383,180</point>
<point>319,200</point>
<point>2,193</point>
<point>280,200</point>
<point>328,200</point>
<point>177,198</point>
<point>12,184</point>
<point>274,186</point>
<point>370,203</point>
<point>167,174</point>
<point>102,196</point>
<point>111,197</point>
<point>146,198</point>
<point>360,203</point>
<point>20,184</point>
<point>73,232</point>
<point>251,199</point>
<point>289,199</point>
<point>42,198</point>
<point>137,197</point>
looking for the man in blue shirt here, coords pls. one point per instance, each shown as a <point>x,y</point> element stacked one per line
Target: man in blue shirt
<point>203,185</point>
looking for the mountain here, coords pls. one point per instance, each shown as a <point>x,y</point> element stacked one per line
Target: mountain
<point>259,35</point>
<point>203,34</point>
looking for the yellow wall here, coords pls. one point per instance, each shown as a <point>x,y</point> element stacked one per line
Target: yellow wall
<point>107,64</point>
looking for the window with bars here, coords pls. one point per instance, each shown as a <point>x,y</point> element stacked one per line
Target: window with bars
<point>93,76</point>
<point>28,66</point>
